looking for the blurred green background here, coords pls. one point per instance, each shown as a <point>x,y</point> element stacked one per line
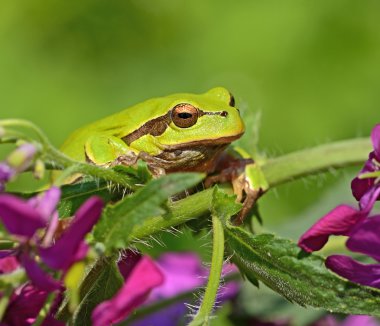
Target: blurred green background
<point>311,67</point>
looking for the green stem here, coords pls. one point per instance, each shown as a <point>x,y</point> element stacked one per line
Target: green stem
<point>206,308</point>
<point>61,161</point>
<point>45,310</point>
<point>315,160</point>
<point>4,300</point>
<point>181,211</point>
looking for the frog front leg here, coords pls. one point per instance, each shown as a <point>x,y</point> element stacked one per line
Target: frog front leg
<point>109,151</point>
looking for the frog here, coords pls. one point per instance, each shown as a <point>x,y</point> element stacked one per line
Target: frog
<point>182,132</point>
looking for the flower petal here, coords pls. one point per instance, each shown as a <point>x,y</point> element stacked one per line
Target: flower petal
<point>70,246</point>
<point>366,238</point>
<point>375,137</point>
<point>6,174</point>
<point>46,202</point>
<point>24,306</point>
<point>22,157</point>
<point>8,264</point>
<point>360,320</point>
<point>128,262</point>
<point>18,217</point>
<point>339,221</point>
<point>182,272</point>
<point>39,278</point>
<point>369,198</point>
<point>354,271</point>
<point>360,186</point>
<point>144,277</point>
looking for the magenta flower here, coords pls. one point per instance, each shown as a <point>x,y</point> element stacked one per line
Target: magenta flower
<point>364,237</point>
<point>362,229</point>
<point>352,320</point>
<point>342,220</point>
<point>147,282</point>
<point>23,219</point>
<point>361,186</point>
<point>141,280</point>
<point>25,305</point>
<point>182,272</point>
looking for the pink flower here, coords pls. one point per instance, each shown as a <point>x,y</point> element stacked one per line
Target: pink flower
<point>362,229</point>
<point>361,186</point>
<point>142,279</point>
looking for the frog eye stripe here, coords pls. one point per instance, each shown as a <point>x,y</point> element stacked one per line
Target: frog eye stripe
<point>221,113</point>
<point>155,127</point>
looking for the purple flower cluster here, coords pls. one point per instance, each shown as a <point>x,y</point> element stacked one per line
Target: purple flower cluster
<point>33,224</point>
<point>359,225</point>
<point>46,257</point>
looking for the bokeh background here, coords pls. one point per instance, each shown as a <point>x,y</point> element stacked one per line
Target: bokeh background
<point>311,68</point>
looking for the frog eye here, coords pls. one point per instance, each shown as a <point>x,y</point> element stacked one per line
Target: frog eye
<point>184,115</point>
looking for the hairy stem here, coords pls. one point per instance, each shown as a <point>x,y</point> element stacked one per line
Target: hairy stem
<point>315,160</point>
<point>203,315</point>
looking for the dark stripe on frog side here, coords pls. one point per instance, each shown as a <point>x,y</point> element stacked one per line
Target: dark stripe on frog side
<point>157,126</point>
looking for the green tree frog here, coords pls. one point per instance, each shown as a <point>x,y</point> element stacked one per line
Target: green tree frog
<point>179,132</point>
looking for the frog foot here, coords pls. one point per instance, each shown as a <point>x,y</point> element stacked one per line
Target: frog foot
<point>248,184</point>
<point>128,159</point>
<point>245,195</point>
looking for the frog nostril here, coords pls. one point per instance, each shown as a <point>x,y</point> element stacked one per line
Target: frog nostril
<point>224,113</point>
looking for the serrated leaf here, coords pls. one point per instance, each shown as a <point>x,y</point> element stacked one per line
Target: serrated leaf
<point>118,220</point>
<point>300,277</point>
<point>97,290</point>
<point>223,205</point>
<point>140,173</point>
<point>73,196</point>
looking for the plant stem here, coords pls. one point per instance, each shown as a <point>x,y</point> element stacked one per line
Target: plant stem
<point>54,158</point>
<point>203,315</point>
<point>192,207</point>
<point>315,160</point>
<point>4,300</point>
<point>45,309</point>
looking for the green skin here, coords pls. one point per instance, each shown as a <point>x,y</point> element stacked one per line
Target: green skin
<point>147,131</point>
<point>102,142</point>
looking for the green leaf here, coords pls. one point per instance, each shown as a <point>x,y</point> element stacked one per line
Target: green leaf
<point>73,196</point>
<point>223,205</point>
<point>300,277</point>
<point>101,284</point>
<point>118,220</point>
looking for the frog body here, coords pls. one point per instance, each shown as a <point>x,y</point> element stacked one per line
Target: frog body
<point>175,133</point>
<point>179,132</point>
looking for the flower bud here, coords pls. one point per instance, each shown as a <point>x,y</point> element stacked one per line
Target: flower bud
<point>39,169</point>
<point>21,158</point>
<point>6,174</point>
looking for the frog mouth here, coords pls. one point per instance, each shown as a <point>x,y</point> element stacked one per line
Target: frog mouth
<point>209,142</point>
